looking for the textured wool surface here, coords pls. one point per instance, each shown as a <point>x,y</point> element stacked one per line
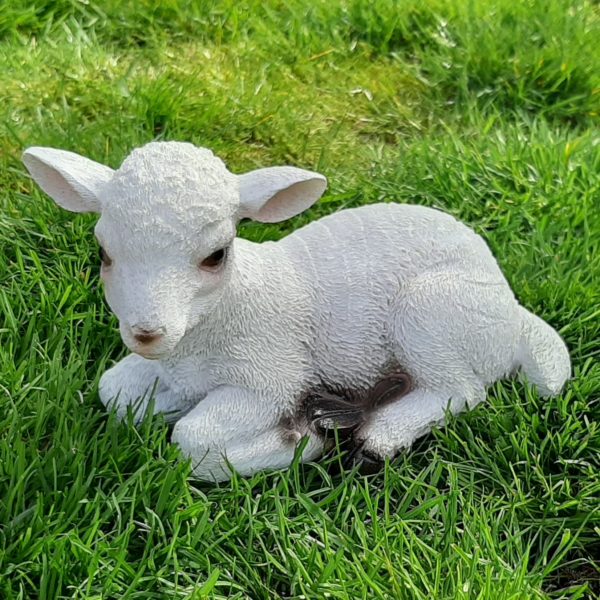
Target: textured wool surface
<point>335,304</point>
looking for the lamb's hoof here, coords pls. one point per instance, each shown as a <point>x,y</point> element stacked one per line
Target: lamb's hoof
<point>330,415</point>
<point>366,462</point>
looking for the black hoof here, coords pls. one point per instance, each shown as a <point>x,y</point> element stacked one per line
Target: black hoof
<point>366,462</point>
<point>329,414</point>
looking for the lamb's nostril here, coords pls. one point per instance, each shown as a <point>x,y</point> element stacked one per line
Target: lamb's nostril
<point>146,336</point>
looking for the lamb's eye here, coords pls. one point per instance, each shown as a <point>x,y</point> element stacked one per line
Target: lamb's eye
<point>105,258</point>
<point>214,261</point>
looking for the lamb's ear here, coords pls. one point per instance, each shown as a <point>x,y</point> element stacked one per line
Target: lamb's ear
<point>72,181</point>
<point>278,193</point>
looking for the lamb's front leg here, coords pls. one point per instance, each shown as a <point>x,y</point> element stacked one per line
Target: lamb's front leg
<point>132,382</point>
<point>241,428</point>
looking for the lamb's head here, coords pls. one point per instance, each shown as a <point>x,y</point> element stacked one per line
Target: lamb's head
<point>168,219</point>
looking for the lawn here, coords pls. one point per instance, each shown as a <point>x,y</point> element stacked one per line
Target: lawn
<point>488,110</point>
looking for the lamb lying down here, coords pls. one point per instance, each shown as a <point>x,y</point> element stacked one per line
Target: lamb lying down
<point>235,337</point>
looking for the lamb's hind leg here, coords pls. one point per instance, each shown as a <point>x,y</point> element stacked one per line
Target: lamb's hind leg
<point>398,424</point>
<point>454,335</point>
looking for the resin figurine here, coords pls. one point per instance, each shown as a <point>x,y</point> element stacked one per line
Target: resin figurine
<point>251,347</point>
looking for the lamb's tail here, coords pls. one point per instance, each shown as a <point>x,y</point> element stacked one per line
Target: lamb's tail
<point>542,355</point>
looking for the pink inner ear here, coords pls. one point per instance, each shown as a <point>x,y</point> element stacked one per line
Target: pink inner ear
<point>291,201</point>
<point>57,186</point>
<point>63,190</point>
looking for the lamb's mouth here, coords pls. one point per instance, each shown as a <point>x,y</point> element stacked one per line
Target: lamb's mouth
<point>149,351</point>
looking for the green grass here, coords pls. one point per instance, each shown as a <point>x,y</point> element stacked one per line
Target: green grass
<point>486,109</point>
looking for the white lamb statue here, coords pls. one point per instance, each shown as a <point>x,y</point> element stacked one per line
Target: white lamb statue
<point>389,313</point>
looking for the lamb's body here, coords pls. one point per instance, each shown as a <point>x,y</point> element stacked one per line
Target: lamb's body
<point>336,305</point>
<point>349,277</point>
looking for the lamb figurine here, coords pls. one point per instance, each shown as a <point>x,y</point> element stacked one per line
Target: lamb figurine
<point>231,337</point>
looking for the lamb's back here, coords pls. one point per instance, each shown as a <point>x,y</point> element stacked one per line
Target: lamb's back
<point>407,238</point>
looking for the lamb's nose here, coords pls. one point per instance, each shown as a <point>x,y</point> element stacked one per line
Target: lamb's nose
<point>146,336</point>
